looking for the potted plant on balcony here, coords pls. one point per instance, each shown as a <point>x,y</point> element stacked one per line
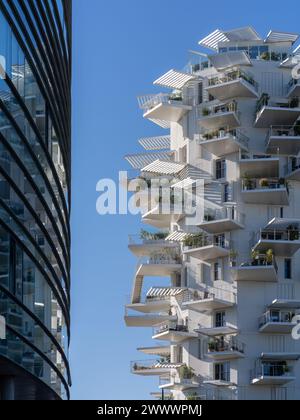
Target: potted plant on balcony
<point>264,183</point>
<point>186,373</point>
<point>206,112</point>
<point>211,346</point>
<point>248,183</point>
<point>233,255</point>
<point>269,257</point>
<point>255,257</point>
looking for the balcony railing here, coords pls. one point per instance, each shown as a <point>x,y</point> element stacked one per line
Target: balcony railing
<point>148,102</point>
<point>202,241</point>
<point>224,345</point>
<point>254,156</point>
<point>232,76</point>
<point>265,101</point>
<point>283,131</point>
<point>249,184</point>
<point>289,235</point>
<point>276,317</point>
<point>214,293</point>
<point>219,109</point>
<point>230,213</point>
<point>272,370</point>
<point>169,326</point>
<point>167,257</point>
<point>148,239</point>
<point>146,365</point>
<point>234,134</point>
<point>256,260</point>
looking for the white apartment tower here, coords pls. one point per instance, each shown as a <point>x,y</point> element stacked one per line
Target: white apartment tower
<point>223,320</point>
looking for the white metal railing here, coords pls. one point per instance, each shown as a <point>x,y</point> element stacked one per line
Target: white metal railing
<point>276,316</point>
<point>265,101</point>
<point>149,239</point>
<point>146,365</point>
<point>255,156</point>
<point>203,240</point>
<point>169,256</point>
<point>211,110</point>
<point>169,326</point>
<point>288,235</point>
<point>221,134</point>
<point>148,102</point>
<point>232,75</point>
<point>211,293</point>
<point>270,369</point>
<point>256,260</point>
<point>218,345</point>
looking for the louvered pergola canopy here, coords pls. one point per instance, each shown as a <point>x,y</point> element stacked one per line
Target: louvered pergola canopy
<point>156,143</point>
<point>174,79</point>
<point>164,167</point>
<point>276,36</point>
<point>213,40</point>
<point>177,237</point>
<point>139,161</point>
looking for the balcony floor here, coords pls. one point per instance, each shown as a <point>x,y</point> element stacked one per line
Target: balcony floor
<point>218,120</point>
<point>171,112</point>
<point>287,145</point>
<point>276,116</point>
<point>277,327</point>
<point>221,226</point>
<point>215,332</point>
<point>223,146</point>
<point>150,307</point>
<point>180,386</point>
<point>152,372</point>
<point>207,253</point>
<point>255,273</point>
<point>260,168</point>
<point>234,89</point>
<point>273,197</point>
<point>225,355</point>
<point>208,304</point>
<point>147,320</point>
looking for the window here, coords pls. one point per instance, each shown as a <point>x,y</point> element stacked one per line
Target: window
<point>222,372</point>
<point>200,93</point>
<point>217,272</point>
<point>226,193</point>
<point>221,169</point>
<point>288,269</point>
<point>220,319</point>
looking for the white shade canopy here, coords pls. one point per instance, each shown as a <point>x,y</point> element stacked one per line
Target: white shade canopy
<point>156,143</point>
<point>174,79</point>
<point>276,36</point>
<point>164,167</point>
<point>139,161</point>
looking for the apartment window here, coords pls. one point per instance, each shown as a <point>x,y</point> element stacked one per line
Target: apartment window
<point>220,240</point>
<point>222,372</point>
<point>281,212</point>
<point>200,93</point>
<point>221,169</point>
<point>217,271</point>
<point>220,319</point>
<point>288,269</point>
<point>226,193</point>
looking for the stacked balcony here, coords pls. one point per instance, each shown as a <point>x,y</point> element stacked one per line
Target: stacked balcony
<point>207,247</point>
<point>220,115</point>
<point>284,139</point>
<point>270,113</point>
<point>227,219</point>
<point>152,367</point>
<point>272,373</point>
<point>235,83</point>
<point>171,331</point>
<point>147,242</point>
<point>208,300</point>
<point>265,191</point>
<point>222,348</point>
<point>224,141</point>
<point>164,107</point>
<point>259,267</point>
<point>277,321</point>
<point>281,235</point>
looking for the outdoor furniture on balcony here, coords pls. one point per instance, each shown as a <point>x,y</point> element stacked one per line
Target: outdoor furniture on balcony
<point>271,113</point>
<point>224,141</point>
<point>218,116</point>
<point>265,191</point>
<point>234,83</point>
<point>283,139</point>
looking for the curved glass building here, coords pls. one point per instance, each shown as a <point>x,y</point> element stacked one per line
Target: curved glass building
<point>35,170</point>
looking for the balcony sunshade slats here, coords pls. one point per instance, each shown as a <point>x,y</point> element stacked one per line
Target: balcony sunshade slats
<point>174,79</point>
<point>276,36</point>
<point>156,143</point>
<point>177,236</point>
<point>163,124</point>
<point>164,167</point>
<point>139,161</point>
<point>164,292</point>
<point>241,34</point>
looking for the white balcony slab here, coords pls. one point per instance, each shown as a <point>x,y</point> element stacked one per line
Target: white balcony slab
<point>151,306</point>
<point>276,116</point>
<point>172,111</point>
<point>148,247</point>
<point>158,270</point>
<point>225,355</point>
<point>221,226</point>
<point>260,168</point>
<point>277,327</point>
<point>223,146</point>
<point>174,336</point>
<point>147,320</point>
<point>265,273</point>
<point>156,350</point>
<point>208,304</point>
<point>280,248</point>
<point>207,253</point>
<point>220,119</point>
<point>217,331</point>
<point>238,88</point>
<point>273,380</point>
<point>268,196</point>
<point>287,145</point>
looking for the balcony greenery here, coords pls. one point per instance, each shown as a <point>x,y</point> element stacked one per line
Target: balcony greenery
<point>149,236</point>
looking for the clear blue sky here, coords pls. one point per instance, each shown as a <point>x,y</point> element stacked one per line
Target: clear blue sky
<point>120,48</point>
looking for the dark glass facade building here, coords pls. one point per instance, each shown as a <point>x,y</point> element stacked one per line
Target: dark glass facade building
<point>35,171</point>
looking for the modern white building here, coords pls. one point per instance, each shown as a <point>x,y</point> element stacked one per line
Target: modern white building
<point>222,324</point>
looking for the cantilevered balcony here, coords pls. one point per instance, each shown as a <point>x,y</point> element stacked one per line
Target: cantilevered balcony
<point>281,235</point>
<point>265,191</point>
<point>224,141</point>
<point>158,350</point>
<point>277,321</point>
<point>272,373</point>
<point>161,217</point>
<point>283,139</point>
<point>206,247</point>
<point>164,107</point>
<point>222,220</point>
<point>174,382</point>
<point>152,367</point>
<point>208,300</point>
<point>160,264</point>
<point>294,88</point>
<point>259,267</point>
<point>132,319</point>
<point>276,113</point>
<point>171,331</point>
<point>255,165</point>
<point>225,348</point>
<point>292,170</point>
<point>146,243</point>
<point>218,116</point>
<point>219,329</point>
<point>234,83</point>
